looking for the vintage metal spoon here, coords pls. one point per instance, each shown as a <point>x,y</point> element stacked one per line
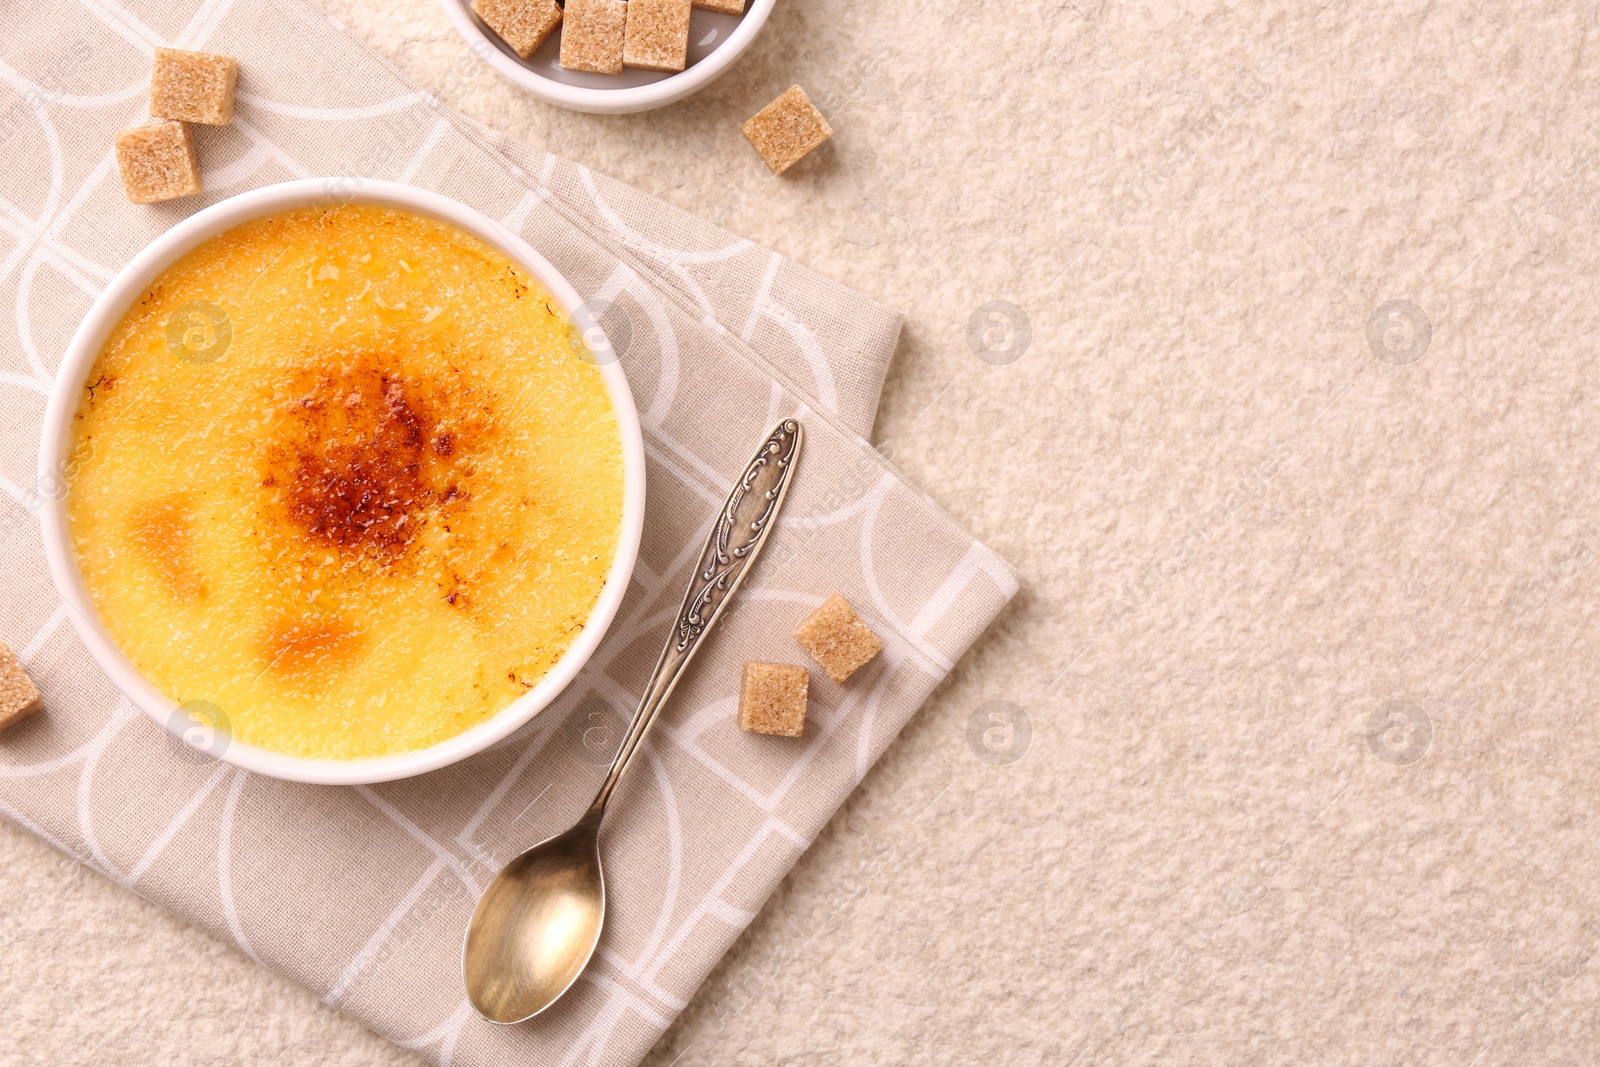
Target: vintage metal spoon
<point>537,924</point>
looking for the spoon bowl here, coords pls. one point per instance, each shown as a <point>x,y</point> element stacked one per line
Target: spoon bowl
<point>536,926</point>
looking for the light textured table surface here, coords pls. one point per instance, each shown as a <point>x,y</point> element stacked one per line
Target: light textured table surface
<point>1306,642</point>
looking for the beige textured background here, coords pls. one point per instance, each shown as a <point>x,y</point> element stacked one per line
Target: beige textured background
<point>1243,528</point>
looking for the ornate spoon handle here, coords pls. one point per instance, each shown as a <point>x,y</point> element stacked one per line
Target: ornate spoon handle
<point>735,540</point>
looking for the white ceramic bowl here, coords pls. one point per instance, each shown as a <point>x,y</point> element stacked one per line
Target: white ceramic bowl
<point>616,94</point>
<point>108,310</point>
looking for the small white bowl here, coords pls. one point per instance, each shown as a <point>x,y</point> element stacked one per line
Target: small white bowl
<point>616,94</point>
<point>54,447</point>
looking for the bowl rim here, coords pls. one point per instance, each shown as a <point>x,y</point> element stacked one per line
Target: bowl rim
<point>623,99</point>
<point>56,433</point>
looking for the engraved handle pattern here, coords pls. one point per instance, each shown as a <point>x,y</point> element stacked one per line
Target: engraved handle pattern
<point>732,544</point>
<point>736,538</point>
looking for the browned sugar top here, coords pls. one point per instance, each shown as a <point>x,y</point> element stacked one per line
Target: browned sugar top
<point>366,457</point>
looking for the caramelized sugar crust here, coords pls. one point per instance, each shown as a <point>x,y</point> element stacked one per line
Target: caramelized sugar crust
<point>163,532</point>
<point>367,457</point>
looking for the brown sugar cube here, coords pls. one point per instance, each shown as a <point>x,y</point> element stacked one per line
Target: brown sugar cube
<point>837,638</point>
<point>193,86</point>
<point>658,35</point>
<point>19,697</point>
<point>725,7</point>
<point>786,129</point>
<point>772,699</point>
<point>158,162</point>
<point>592,35</point>
<point>522,24</point>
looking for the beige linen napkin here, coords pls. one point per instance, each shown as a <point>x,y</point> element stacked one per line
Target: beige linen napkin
<point>362,894</point>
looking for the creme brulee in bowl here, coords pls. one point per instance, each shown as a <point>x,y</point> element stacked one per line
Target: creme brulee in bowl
<point>343,476</point>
